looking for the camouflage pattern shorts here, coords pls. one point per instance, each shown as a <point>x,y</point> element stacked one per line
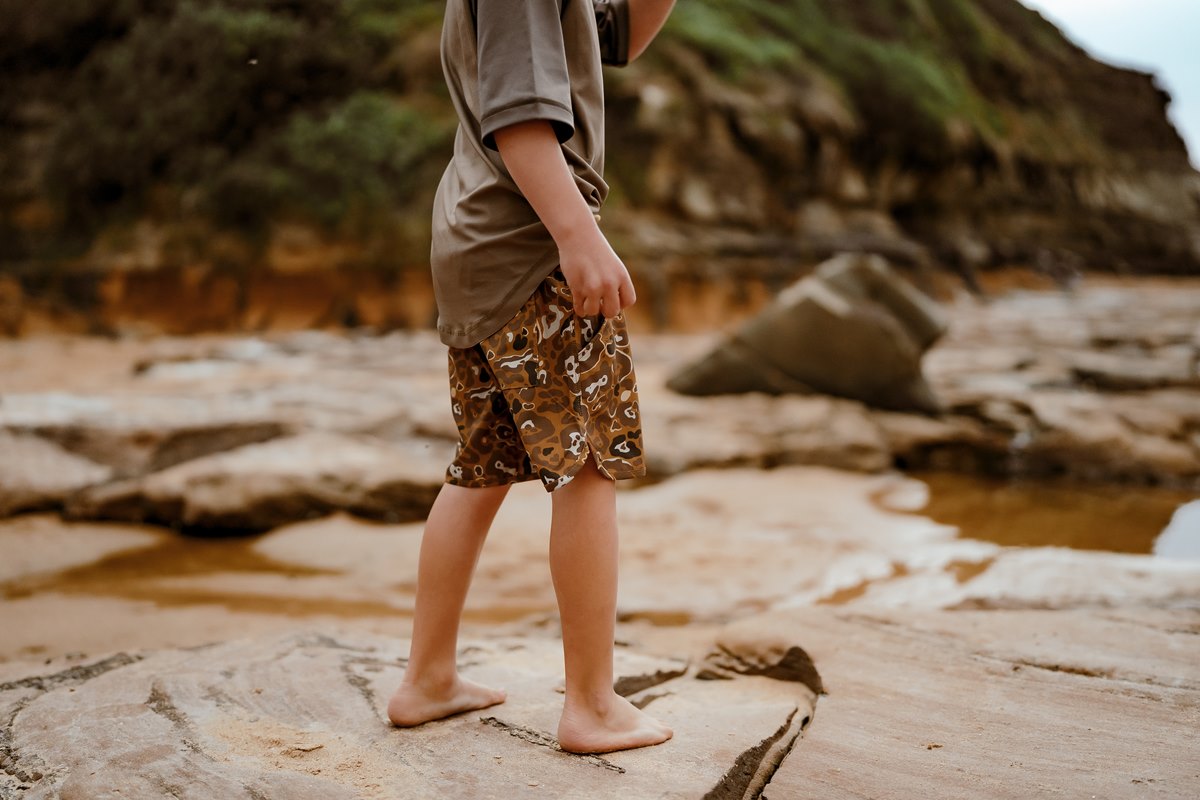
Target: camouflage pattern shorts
<point>535,398</point>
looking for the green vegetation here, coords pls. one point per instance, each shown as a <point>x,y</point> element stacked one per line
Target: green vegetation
<point>334,112</point>
<point>257,108</point>
<point>363,156</point>
<point>907,67</point>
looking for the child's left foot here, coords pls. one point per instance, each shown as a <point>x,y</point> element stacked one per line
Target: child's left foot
<point>607,726</point>
<point>412,705</point>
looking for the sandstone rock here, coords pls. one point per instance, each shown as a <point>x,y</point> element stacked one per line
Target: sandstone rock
<point>42,544</point>
<point>947,442</point>
<point>968,574</point>
<point>302,716</point>
<point>36,474</point>
<point>853,329</point>
<point>1083,431</point>
<point>1005,374</point>
<point>1123,373</point>
<point>995,704</point>
<point>259,486</point>
<point>684,433</point>
<point>753,539</point>
<point>135,434</point>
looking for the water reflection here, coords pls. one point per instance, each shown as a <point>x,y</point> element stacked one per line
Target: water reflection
<point>1181,539</point>
<point>1057,513</point>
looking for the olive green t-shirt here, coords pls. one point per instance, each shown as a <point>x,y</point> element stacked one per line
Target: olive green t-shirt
<point>506,61</point>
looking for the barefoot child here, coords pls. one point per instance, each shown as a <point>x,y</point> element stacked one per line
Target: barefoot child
<point>529,297</point>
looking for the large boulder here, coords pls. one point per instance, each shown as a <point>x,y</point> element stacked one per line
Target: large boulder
<point>853,329</point>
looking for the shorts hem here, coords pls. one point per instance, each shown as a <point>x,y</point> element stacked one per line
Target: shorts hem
<point>625,470</point>
<point>489,481</point>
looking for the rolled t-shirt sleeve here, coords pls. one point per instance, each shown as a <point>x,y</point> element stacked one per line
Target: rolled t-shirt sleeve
<point>522,66</point>
<point>612,24</point>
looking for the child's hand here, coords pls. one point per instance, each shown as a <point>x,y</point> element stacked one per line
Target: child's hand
<point>598,280</point>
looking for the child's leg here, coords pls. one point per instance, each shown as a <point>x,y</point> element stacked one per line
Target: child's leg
<point>583,563</point>
<point>454,534</point>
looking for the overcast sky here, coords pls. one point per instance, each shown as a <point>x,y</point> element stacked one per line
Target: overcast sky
<point>1161,36</point>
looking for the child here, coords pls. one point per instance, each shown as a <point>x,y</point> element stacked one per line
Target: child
<point>530,296</point>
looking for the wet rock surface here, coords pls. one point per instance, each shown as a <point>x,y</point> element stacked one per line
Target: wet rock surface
<point>760,612</point>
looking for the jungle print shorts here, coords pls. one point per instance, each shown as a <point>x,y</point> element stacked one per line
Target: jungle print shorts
<point>535,398</point>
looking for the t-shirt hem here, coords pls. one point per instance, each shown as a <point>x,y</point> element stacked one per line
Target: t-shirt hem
<point>470,334</point>
<point>561,120</point>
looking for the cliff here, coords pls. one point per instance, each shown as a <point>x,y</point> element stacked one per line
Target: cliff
<point>198,147</point>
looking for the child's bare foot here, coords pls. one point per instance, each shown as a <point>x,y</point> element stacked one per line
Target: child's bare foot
<point>619,725</point>
<point>413,704</point>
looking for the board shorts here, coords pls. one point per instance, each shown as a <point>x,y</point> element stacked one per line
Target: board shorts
<point>539,396</point>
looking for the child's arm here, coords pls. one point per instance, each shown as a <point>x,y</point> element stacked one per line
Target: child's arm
<point>597,277</point>
<point>646,17</point>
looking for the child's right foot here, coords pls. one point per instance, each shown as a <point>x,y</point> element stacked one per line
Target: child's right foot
<point>619,726</point>
<point>413,705</point>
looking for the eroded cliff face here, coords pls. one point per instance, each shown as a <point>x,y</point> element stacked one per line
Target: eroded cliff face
<point>185,147</point>
<point>962,134</point>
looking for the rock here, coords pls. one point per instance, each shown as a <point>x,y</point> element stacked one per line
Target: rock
<point>684,433</point>
<point>1050,577</point>
<point>257,487</point>
<point>953,441</point>
<point>1080,433</point>
<point>966,574</point>
<point>894,658</point>
<point>1123,373</point>
<point>995,704</point>
<point>754,539</point>
<point>137,434</point>
<point>1006,374</point>
<point>853,329</point>
<point>36,474</point>
<point>302,716</point>
<point>39,545</point>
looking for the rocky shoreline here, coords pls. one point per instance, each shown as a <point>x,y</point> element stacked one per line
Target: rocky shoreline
<point>785,602</point>
<point>1101,384</point>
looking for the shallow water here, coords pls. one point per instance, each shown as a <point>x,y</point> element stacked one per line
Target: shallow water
<point>1043,512</point>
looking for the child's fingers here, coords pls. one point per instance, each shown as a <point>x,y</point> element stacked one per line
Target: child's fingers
<point>628,295</point>
<point>611,302</point>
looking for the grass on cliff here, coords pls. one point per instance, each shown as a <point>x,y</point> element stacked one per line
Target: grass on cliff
<point>335,111</point>
<point>908,68</point>
<point>261,109</point>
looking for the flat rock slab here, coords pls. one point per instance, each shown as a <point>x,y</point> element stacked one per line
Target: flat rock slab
<point>755,430</point>
<point>997,704</point>
<point>259,486</point>
<point>133,434</point>
<point>302,716</point>
<point>36,474</point>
